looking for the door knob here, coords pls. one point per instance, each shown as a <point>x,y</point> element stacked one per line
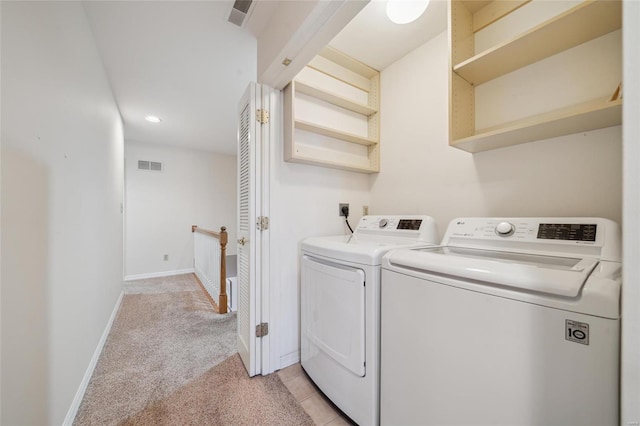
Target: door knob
<point>241,241</point>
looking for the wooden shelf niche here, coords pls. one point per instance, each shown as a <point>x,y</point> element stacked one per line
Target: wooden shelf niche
<point>331,114</point>
<point>523,70</point>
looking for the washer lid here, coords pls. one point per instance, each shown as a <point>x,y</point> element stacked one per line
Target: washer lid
<point>561,276</point>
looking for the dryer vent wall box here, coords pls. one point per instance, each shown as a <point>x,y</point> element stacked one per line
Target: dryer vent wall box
<point>522,317</point>
<point>340,308</point>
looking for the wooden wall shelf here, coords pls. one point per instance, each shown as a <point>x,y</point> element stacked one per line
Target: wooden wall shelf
<point>334,99</point>
<point>586,21</point>
<point>329,73</point>
<point>332,133</point>
<point>590,116</point>
<point>580,24</point>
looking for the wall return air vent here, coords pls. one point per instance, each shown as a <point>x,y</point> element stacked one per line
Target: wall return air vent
<point>153,166</point>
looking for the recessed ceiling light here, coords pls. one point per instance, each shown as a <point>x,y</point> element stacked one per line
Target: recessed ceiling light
<point>153,119</point>
<point>405,11</point>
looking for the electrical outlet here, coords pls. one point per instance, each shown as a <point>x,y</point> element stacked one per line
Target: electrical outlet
<point>166,257</point>
<point>365,210</point>
<point>341,206</point>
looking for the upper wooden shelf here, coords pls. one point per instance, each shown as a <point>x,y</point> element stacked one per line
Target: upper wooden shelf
<point>348,62</point>
<point>334,99</point>
<point>332,133</point>
<point>486,12</point>
<point>581,118</point>
<point>587,21</point>
<point>344,68</point>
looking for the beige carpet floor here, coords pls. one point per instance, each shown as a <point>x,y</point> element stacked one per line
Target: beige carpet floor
<point>171,360</point>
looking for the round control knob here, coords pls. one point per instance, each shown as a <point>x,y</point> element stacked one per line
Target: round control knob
<point>504,229</point>
<point>383,223</point>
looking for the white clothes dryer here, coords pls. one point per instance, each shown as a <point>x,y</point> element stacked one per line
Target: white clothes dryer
<point>340,305</point>
<point>512,321</point>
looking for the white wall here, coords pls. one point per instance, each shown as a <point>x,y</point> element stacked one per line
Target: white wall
<point>62,168</point>
<point>304,202</point>
<point>576,175</point>
<point>195,188</point>
<point>630,402</point>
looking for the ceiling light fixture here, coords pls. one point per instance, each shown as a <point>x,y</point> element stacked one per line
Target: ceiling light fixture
<point>153,119</point>
<point>405,11</point>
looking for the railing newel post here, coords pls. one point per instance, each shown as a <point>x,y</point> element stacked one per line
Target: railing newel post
<point>223,270</point>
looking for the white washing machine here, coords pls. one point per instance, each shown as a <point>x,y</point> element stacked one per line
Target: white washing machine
<point>340,304</point>
<point>511,321</point>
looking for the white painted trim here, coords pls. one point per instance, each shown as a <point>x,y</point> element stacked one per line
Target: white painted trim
<point>289,359</point>
<point>325,21</point>
<point>159,274</point>
<point>630,356</point>
<point>269,132</point>
<point>75,404</point>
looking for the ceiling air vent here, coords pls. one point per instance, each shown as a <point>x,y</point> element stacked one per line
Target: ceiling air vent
<point>239,11</point>
<point>149,165</point>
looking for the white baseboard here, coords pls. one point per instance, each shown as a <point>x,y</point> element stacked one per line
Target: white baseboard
<point>158,274</point>
<point>75,404</point>
<point>289,359</point>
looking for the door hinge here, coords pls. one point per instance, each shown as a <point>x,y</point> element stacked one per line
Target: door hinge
<point>262,116</point>
<point>262,329</point>
<point>262,223</point>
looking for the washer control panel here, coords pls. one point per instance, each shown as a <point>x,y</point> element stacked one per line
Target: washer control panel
<point>505,229</point>
<point>579,236</point>
<point>559,230</point>
<point>569,232</point>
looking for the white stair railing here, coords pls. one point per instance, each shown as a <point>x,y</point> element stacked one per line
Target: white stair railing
<point>209,248</point>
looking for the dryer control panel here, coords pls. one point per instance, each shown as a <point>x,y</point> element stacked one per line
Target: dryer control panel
<point>418,227</point>
<point>391,222</point>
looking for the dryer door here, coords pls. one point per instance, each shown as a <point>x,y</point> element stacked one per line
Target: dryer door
<point>333,313</point>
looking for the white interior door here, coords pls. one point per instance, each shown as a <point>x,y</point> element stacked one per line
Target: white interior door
<point>248,237</point>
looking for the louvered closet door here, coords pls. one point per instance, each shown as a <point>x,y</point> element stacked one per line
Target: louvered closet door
<point>248,244</point>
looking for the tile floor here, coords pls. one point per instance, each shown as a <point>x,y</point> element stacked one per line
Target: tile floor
<point>318,407</point>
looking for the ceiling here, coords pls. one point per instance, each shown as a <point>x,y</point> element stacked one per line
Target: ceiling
<point>183,62</point>
<point>374,40</point>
